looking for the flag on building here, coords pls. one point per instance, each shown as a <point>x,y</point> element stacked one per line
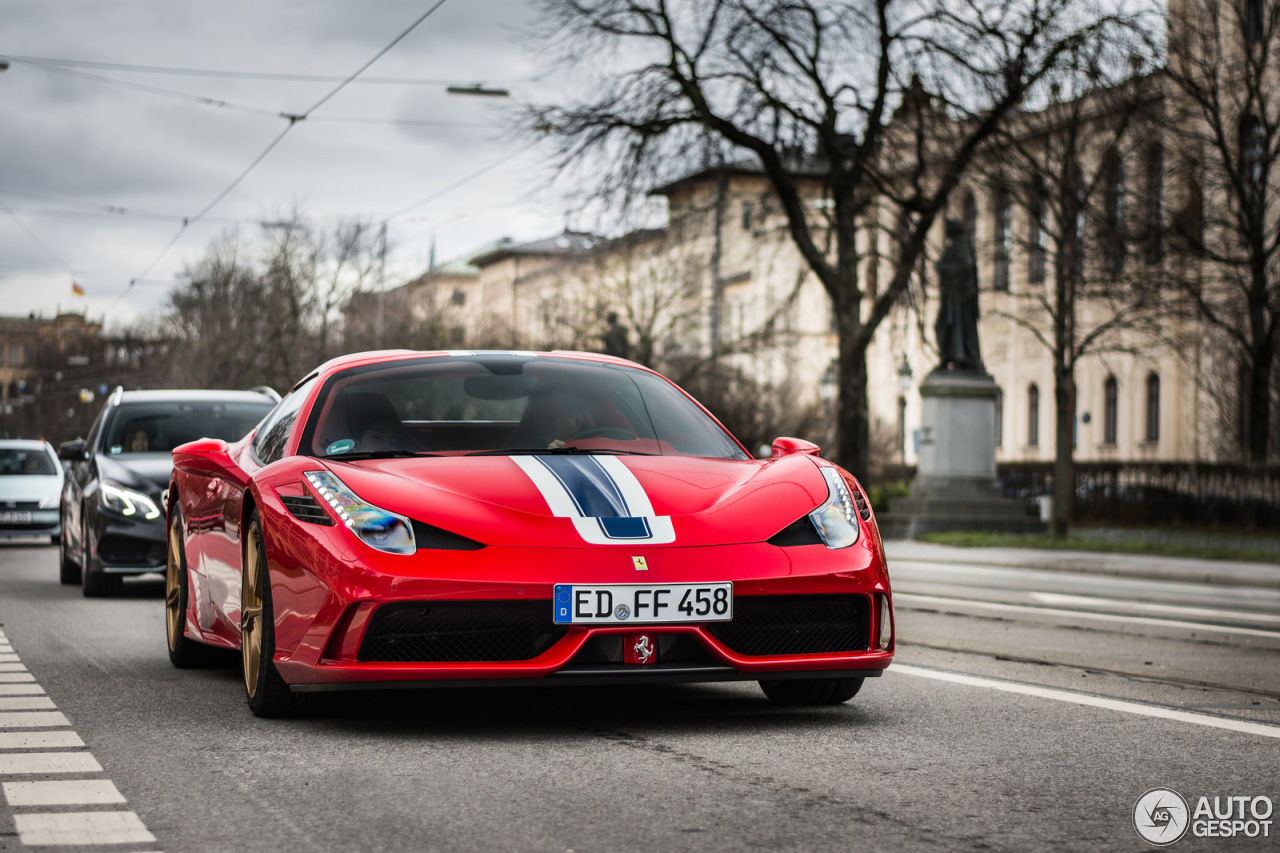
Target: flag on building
<point>77,289</point>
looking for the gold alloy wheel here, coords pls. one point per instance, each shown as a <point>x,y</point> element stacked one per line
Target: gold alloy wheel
<point>173,615</point>
<point>251,610</point>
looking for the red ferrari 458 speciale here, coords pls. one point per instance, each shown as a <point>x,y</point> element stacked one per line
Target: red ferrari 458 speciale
<point>421,518</point>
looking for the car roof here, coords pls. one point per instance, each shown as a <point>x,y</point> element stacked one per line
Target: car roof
<point>24,443</point>
<point>194,395</point>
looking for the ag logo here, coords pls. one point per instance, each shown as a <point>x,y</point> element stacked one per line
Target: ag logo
<point>1161,817</point>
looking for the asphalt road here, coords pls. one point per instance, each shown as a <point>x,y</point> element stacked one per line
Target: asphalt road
<point>1026,710</point>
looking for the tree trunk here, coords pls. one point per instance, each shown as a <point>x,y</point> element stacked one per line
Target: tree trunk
<point>1258,405</point>
<point>853,417</point>
<point>1064,469</point>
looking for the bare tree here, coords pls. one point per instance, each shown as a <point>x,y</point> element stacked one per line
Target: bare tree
<point>819,95</point>
<point>1226,229</point>
<point>1069,167</point>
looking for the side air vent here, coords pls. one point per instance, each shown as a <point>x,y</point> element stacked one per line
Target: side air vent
<point>305,508</point>
<point>864,508</point>
<point>433,538</point>
<point>799,532</point>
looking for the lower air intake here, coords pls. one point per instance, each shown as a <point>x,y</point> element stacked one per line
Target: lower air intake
<point>796,624</point>
<point>459,631</point>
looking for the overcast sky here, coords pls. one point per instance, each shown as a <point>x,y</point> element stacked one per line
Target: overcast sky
<point>72,146</point>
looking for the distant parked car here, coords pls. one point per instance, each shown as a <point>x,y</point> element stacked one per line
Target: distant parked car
<point>113,521</point>
<point>30,482</point>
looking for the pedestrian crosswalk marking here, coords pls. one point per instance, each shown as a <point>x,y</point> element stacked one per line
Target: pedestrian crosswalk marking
<point>48,762</point>
<point>62,792</point>
<point>39,740</point>
<point>68,828</point>
<point>26,703</point>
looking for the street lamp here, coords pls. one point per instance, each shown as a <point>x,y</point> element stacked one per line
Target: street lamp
<point>904,385</point>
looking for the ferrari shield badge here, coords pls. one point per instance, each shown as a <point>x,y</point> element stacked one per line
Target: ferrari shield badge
<point>640,564</point>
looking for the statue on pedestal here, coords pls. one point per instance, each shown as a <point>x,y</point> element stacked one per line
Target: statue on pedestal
<point>956,328</point>
<point>616,342</point>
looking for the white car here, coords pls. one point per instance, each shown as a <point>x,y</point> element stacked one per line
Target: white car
<point>30,486</point>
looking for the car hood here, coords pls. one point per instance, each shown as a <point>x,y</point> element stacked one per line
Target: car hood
<point>29,488</point>
<point>559,501</point>
<point>145,472</point>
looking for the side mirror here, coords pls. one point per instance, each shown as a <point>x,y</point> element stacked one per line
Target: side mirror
<point>791,446</point>
<point>204,456</point>
<point>73,451</point>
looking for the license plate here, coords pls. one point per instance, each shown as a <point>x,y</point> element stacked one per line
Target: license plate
<point>15,518</point>
<point>619,604</point>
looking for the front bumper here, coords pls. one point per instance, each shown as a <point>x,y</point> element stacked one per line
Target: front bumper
<point>127,547</point>
<point>40,522</point>
<point>326,599</point>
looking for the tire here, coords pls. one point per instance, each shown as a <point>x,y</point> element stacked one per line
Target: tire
<point>184,652</point>
<point>265,690</point>
<point>68,569</point>
<point>55,539</point>
<point>812,691</point>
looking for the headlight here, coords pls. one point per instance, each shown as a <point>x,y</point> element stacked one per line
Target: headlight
<point>127,502</point>
<point>836,520</point>
<point>376,527</point>
<point>49,502</point>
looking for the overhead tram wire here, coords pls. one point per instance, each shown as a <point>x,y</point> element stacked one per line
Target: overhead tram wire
<point>293,120</point>
<point>169,93</point>
<point>48,250</point>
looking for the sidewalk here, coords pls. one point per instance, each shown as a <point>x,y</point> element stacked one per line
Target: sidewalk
<point>1147,567</point>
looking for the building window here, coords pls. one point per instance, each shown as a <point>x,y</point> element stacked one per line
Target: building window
<point>1113,238</point>
<point>1253,154</point>
<point>1035,239</point>
<point>16,356</point>
<point>1155,204</point>
<point>457,335</point>
<point>1153,408</point>
<point>748,209</point>
<point>1110,416</point>
<point>1003,239</point>
<point>1255,21</point>
<point>969,212</point>
<point>459,296</point>
<point>999,418</point>
<point>1033,415</point>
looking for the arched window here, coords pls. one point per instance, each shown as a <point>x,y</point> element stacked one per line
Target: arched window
<point>1033,415</point>
<point>969,211</point>
<point>1153,408</point>
<point>1253,154</point>
<point>1114,224</point>
<point>1110,415</point>
<point>1035,238</point>
<point>1155,204</point>
<point>1002,213</point>
<point>999,417</point>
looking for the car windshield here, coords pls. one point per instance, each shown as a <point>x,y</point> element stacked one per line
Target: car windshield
<point>159,427</point>
<point>20,462</point>
<point>501,404</point>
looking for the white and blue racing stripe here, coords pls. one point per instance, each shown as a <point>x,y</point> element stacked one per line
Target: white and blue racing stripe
<point>604,499</point>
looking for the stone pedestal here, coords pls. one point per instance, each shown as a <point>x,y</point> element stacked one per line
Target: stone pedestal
<point>955,486</point>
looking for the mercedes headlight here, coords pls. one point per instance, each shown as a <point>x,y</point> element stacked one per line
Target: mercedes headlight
<point>127,502</point>
<point>836,520</point>
<point>376,527</point>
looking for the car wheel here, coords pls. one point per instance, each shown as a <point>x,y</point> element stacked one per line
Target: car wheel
<point>267,693</point>
<point>184,652</point>
<point>812,691</point>
<point>97,584</point>
<point>68,569</point>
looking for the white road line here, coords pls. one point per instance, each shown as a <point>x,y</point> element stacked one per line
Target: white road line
<point>9,658</point>
<point>15,677</point>
<point>42,830</point>
<point>909,598</point>
<point>63,792</point>
<point>48,762</point>
<point>1260,729</point>
<point>26,703</point>
<point>31,689</point>
<point>39,740</point>
<point>5,648</point>
<point>32,719</point>
<point>1146,607</point>
<point>13,667</point>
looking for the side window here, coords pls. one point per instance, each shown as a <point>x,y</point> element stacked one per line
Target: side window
<point>273,435</point>
<point>96,429</point>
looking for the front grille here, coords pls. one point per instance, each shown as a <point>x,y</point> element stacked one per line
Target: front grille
<point>118,550</point>
<point>864,508</point>
<point>458,631</point>
<point>799,532</point>
<point>305,508</point>
<point>796,624</point>
<point>5,506</point>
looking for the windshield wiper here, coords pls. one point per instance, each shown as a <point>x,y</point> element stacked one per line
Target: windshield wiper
<point>377,454</point>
